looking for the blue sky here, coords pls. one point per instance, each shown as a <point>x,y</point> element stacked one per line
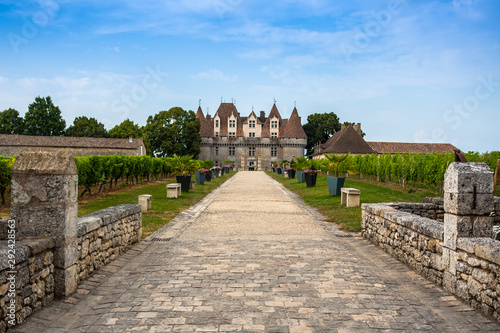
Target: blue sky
<point>409,71</point>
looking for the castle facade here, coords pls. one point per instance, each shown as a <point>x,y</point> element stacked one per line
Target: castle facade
<point>253,142</point>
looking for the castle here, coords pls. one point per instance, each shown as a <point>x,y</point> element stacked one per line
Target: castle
<point>253,142</point>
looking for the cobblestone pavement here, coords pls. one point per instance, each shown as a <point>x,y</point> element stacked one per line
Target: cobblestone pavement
<point>251,257</point>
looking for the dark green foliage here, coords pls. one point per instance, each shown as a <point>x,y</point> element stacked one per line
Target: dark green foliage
<point>126,129</point>
<point>5,174</point>
<point>173,132</point>
<point>319,127</point>
<point>87,127</point>
<point>11,122</point>
<point>44,118</point>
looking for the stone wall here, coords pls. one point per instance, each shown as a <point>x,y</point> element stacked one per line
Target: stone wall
<point>427,209</point>
<point>16,150</point>
<point>412,239</point>
<point>29,285</point>
<point>458,253</point>
<point>104,234</point>
<point>497,210</point>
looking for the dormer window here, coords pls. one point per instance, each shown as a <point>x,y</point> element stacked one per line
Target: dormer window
<point>232,134</point>
<point>216,122</point>
<point>232,123</point>
<point>251,124</point>
<point>274,124</point>
<point>274,135</point>
<point>251,135</point>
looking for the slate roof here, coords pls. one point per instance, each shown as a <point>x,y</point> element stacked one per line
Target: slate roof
<point>206,129</point>
<point>346,141</point>
<point>293,128</point>
<point>405,147</point>
<point>224,111</point>
<point>67,142</point>
<point>266,130</point>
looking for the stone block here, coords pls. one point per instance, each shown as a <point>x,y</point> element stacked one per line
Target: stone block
<point>461,178</point>
<point>145,202</point>
<point>482,226</point>
<point>468,203</point>
<point>173,190</point>
<point>65,281</point>
<point>456,226</point>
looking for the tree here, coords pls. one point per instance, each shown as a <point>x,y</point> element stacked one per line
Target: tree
<point>173,132</point>
<point>44,118</point>
<point>11,122</point>
<point>126,129</point>
<point>87,127</point>
<point>319,127</point>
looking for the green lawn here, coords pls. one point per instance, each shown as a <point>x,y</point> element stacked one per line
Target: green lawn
<point>163,210</point>
<point>349,219</point>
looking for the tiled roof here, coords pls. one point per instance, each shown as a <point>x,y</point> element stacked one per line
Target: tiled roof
<point>67,141</point>
<point>224,111</point>
<point>293,128</point>
<point>405,147</point>
<point>206,130</point>
<point>346,141</point>
<point>266,131</point>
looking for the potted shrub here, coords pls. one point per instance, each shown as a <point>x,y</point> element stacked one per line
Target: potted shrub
<point>183,166</point>
<point>310,176</point>
<point>208,164</point>
<point>301,164</point>
<point>335,164</point>
<point>216,170</point>
<point>273,166</point>
<point>203,173</point>
<point>291,172</point>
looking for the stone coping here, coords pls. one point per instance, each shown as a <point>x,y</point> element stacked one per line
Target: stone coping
<point>97,219</point>
<point>483,247</point>
<point>410,205</point>
<point>25,248</point>
<point>423,225</point>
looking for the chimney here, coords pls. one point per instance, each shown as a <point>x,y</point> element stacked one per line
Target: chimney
<point>357,127</point>
<point>262,114</point>
<point>342,127</point>
<point>209,117</point>
<point>130,139</point>
<point>239,115</point>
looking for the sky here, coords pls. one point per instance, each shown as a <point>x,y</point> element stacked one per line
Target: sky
<point>407,70</point>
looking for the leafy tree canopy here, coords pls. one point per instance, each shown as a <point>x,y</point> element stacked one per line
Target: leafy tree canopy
<point>87,127</point>
<point>126,129</point>
<point>11,122</point>
<point>44,118</point>
<point>173,132</point>
<point>319,127</point>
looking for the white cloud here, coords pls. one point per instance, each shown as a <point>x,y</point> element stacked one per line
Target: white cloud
<point>214,75</point>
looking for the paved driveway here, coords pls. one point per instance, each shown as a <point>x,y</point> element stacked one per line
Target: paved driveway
<point>252,257</point>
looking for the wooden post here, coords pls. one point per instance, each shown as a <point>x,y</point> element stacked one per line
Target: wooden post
<point>496,176</point>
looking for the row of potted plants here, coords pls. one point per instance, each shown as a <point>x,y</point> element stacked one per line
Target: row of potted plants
<point>307,170</point>
<point>185,166</point>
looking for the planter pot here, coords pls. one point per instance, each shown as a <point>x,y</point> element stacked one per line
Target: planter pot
<point>185,182</point>
<point>300,176</point>
<point>216,173</point>
<point>222,172</point>
<point>335,184</point>
<point>208,176</point>
<point>310,179</point>
<point>201,179</point>
<point>226,170</point>
<point>197,176</point>
<point>291,174</point>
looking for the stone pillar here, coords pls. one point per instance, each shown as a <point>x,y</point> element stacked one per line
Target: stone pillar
<point>44,204</point>
<point>468,203</point>
<point>243,162</point>
<point>259,163</point>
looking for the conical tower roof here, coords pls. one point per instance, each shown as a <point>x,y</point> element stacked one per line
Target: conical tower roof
<point>206,130</point>
<point>293,128</point>
<point>266,131</point>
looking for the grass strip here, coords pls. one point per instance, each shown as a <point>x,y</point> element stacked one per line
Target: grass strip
<point>349,219</point>
<point>163,210</point>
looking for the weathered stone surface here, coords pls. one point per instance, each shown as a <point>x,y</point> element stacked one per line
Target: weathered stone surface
<point>462,177</point>
<point>468,204</point>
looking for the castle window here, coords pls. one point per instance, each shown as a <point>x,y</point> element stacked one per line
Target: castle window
<point>232,123</point>
<point>251,135</point>
<point>251,151</point>
<point>231,151</point>
<point>274,135</point>
<point>274,124</point>
<point>216,151</point>
<point>274,152</point>
<point>216,122</point>
<point>251,124</point>
<point>232,134</point>
<point>216,134</point>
